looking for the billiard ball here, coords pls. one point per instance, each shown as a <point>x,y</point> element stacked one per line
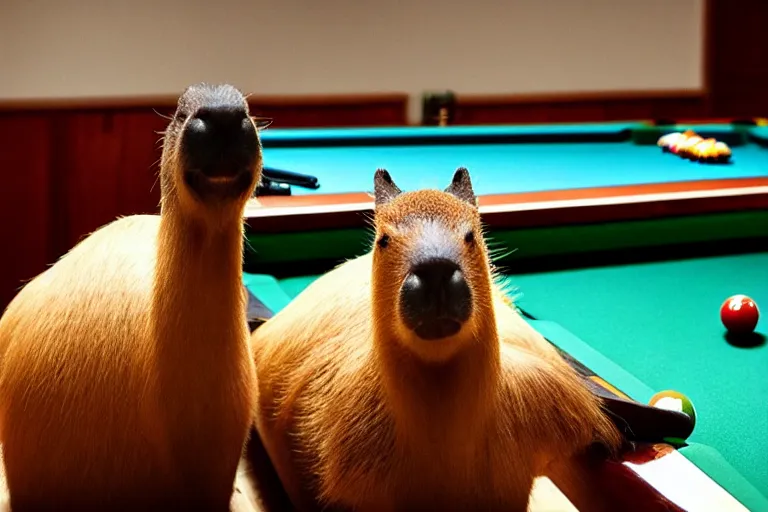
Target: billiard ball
<point>677,142</point>
<point>685,147</point>
<point>703,151</point>
<point>674,401</point>
<point>665,142</point>
<point>722,152</point>
<point>739,314</point>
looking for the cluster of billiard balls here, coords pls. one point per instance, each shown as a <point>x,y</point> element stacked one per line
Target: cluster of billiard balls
<point>691,146</point>
<point>739,315</point>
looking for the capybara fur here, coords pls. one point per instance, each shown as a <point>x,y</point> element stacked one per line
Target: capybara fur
<point>126,378</point>
<point>403,379</point>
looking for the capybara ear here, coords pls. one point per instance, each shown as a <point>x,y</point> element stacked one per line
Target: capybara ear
<point>461,186</point>
<point>384,187</point>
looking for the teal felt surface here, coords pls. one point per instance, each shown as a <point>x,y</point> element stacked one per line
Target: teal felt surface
<point>495,167</point>
<point>268,290</point>
<point>293,286</point>
<point>310,135</point>
<point>760,132</point>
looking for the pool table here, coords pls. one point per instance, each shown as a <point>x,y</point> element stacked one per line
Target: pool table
<point>619,254</point>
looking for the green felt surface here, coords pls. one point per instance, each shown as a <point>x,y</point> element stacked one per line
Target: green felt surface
<point>660,322</point>
<point>650,327</point>
<point>712,462</point>
<point>643,327</point>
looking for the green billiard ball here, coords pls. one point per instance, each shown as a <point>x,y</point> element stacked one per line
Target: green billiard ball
<point>674,401</point>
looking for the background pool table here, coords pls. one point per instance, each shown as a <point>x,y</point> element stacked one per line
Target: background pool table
<point>508,158</point>
<point>621,254</point>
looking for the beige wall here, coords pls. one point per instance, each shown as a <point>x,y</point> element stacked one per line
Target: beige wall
<point>76,48</point>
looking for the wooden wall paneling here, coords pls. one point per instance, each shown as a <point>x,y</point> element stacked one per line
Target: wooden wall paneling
<point>371,109</point>
<point>333,110</point>
<point>737,64</point>
<point>25,207</point>
<point>140,133</point>
<point>79,164</point>
<point>84,174</point>
<point>586,107</point>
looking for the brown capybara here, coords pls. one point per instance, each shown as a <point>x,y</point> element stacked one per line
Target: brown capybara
<point>403,380</point>
<point>126,379</point>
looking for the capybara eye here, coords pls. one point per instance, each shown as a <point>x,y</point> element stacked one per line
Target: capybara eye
<point>383,241</point>
<point>470,237</point>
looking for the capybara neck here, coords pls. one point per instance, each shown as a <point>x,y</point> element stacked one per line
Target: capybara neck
<point>454,394</point>
<point>455,389</point>
<point>190,246</point>
<point>197,283</point>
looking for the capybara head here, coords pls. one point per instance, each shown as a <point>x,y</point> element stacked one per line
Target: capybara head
<point>212,154</point>
<point>431,277</point>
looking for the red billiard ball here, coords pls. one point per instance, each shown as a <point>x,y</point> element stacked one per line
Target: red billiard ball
<point>739,314</point>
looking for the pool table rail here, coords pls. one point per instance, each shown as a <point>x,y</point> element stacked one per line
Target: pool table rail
<point>280,214</point>
<point>650,478</point>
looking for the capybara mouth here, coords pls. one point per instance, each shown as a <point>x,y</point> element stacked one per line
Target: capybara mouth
<point>437,329</point>
<point>218,187</point>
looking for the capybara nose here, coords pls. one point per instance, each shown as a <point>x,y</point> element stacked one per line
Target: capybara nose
<point>220,140</point>
<point>435,299</point>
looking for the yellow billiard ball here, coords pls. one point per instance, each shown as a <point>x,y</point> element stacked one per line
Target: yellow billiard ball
<point>686,146</point>
<point>721,151</point>
<point>703,151</point>
<point>674,401</point>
